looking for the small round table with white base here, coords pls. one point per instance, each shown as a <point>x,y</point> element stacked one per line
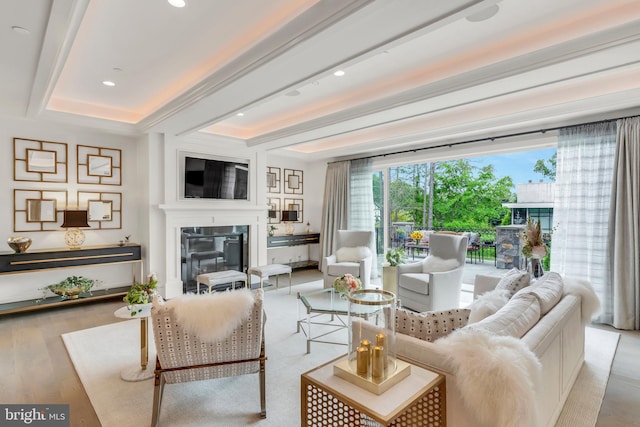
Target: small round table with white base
<point>144,371</point>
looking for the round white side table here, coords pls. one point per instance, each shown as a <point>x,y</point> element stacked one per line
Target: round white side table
<point>144,371</point>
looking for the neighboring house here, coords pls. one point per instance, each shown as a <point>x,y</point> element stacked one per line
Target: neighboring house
<point>534,200</point>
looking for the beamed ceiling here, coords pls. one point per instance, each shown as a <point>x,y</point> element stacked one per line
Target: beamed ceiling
<point>416,72</point>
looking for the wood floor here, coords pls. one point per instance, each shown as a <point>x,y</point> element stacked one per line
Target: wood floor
<point>36,368</point>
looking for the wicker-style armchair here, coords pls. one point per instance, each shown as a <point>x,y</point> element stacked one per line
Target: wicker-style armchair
<point>184,356</point>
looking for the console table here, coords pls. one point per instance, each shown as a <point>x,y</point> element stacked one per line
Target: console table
<point>288,240</point>
<point>50,259</point>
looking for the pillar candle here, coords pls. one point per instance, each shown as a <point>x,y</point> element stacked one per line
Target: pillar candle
<point>381,341</point>
<point>377,363</point>
<point>362,361</point>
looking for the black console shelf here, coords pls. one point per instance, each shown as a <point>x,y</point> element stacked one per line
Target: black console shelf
<point>288,240</point>
<point>53,259</point>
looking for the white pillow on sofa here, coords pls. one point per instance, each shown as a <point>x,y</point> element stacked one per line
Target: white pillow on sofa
<point>433,264</point>
<point>488,303</point>
<point>548,289</point>
<point>514,280</point>
<point>355,254</point>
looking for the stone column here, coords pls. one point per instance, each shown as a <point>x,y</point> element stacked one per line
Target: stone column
<point>508,246</point>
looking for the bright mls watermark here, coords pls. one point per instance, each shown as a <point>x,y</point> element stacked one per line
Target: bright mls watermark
<point>34,415</point>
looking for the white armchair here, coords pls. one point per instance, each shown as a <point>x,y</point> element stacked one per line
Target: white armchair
<point>435,282</point>
<point>353,256</point>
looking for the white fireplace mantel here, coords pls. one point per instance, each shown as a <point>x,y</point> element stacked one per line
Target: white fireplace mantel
<point>207,214</point>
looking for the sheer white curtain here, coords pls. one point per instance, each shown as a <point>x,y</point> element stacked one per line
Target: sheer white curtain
<point>361,209</point>
<point>584,175</point>
<point>335,206</point>
<point>624,229</point>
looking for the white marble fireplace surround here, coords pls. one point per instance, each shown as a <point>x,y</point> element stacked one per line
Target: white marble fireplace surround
<point>194,214</point>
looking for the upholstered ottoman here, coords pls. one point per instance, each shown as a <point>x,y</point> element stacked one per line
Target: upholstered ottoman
<point>264,271</point>
<point>219,278</point>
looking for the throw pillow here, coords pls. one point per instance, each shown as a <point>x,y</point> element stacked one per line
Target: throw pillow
<point>548,289</point>
<point>519,315</point>
<point>433,264</point>
<point>431,325</point>
<point>514,280</point>
<point>355,254</point>
<point>487,304</point>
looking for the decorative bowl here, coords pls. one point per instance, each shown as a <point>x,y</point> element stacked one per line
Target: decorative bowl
<point>19,244</point>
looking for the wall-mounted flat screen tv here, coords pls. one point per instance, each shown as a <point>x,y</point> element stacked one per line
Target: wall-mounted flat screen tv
<point>214,178</point>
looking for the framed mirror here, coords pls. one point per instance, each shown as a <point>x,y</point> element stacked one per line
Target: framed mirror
<point>100,211</point>
<point>41,161</point>
<point>41,210</point>
<point>38,210</point>
<point>104,208</point>
<point>99,166</point>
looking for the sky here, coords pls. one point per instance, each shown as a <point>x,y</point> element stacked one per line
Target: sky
<point>519,166</point>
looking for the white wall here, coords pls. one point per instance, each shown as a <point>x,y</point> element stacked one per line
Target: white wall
<point>18,287</point>
<point>313,194</point>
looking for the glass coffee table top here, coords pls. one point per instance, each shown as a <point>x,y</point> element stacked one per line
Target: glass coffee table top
<point>327,302</point>
<point>331,302</point>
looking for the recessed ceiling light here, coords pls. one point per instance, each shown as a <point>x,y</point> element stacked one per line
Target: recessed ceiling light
<point>21,30</point>
<point>177,3</point>
<point>117,70</point>
<point>484,14</point>
<point>240,114</point>
<point>108,83</point>
<point>339,73</point>
<point>294,92</point>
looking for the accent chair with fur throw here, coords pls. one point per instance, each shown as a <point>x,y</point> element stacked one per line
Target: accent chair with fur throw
<point>203,337</point>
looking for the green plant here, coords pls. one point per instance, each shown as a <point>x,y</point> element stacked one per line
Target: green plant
<point>141,293</point>
<point>396,256</point>
<point>70,288</point>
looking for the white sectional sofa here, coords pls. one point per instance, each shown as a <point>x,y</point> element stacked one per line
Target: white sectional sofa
<point>553,340</point>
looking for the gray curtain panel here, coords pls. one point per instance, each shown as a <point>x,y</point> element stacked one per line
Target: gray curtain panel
<point>335,208</point>
<point>624,228</point>
<point>584,175</point>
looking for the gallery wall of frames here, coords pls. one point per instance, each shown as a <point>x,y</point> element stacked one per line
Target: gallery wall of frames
<point>285,188</point>
<point>98,172</point>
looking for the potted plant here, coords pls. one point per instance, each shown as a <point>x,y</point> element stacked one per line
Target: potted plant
<point>141,294</point>
<point>272,229</point>
<point>71,287</point>
<point>394,257</point>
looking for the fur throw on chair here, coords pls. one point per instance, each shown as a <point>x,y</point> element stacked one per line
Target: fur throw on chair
<point>590,305</point>
<point>497,377</point>
<point>212,317</point>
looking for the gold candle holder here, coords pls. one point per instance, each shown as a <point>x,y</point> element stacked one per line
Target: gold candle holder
<point>362,361</point>
<point>366,343</point>
<point>377,362</point>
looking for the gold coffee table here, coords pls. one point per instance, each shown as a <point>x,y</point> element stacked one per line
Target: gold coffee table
<point>418,400</point>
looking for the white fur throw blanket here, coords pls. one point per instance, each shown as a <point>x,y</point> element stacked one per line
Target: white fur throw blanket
<point>212,317</point>
<point>590,305</point>
<point>497,377</point>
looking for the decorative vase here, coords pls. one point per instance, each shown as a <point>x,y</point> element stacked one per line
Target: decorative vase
<point>535,267</point>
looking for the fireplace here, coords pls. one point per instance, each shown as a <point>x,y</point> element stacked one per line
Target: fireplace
<point>211,249</point>
<point>212,228</point>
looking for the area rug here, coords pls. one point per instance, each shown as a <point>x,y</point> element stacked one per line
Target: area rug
<point>100,354</point>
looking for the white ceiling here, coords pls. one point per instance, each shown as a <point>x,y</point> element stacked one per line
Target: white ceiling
<point>417,72</point>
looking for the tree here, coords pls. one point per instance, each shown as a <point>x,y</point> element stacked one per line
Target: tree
<point>467,197</point>
<point>547,167</point>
